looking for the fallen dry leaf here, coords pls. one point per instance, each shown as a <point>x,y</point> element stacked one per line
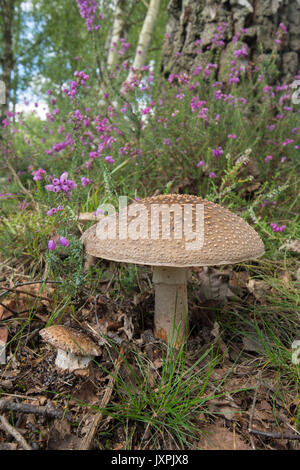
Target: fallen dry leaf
<point>250,344</point>
<point>85,217</point>
<point>228,412</point>
<point>292,245</point>
<point>8,446</point>
<point>285,279</point>
<point>127,327</point>
<point>214,284</point>
<point>3,340</point>
<point>258,288</point>
<point>215,437</point>
<point>60,437</point>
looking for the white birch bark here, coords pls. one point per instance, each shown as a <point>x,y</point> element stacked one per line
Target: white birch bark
<point>117,30</point>
<point>145,37</point>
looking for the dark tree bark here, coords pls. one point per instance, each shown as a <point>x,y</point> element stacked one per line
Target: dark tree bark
<point>7,54</point>
<point>191,20</point>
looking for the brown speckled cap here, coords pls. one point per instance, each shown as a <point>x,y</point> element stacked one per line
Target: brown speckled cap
<point>228,239</point>
<point>70,340</point>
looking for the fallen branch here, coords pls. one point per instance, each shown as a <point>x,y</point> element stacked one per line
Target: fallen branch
<point>13,432</point>
<point>18,181</point>
<point>13,311</point>
<point>88,438</point>
<point>276,435</point>
<point>253,409</point>
<point>28,284</point>
<point>17,291</point>
<point>47,410</point>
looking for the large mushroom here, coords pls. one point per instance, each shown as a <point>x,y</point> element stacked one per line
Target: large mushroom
<point>172,233</point>
<point>75,349</point>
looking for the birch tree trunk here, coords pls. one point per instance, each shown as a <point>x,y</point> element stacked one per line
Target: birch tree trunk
<point>191,20</point>
<point>7,56</point>
<point>117,32</point>
<point>144,38</point>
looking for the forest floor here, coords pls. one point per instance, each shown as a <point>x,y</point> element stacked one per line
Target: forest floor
<point>233,386</point>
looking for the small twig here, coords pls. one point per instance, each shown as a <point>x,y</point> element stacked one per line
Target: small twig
<point>47,410</point>
<point>17,180</point>
<point>13,311</point>
<point>13,432</point>
<point>88,438</point>
<point>15,289</point>
<point>27,284</point>
<point>31,335</point>
<point>146,433</point>
<point>253,409</point>
<point>276,435</point>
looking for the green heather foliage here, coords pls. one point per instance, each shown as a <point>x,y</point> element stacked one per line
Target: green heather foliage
<point>189,133</point>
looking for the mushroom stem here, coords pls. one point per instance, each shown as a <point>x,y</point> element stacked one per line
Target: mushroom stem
<point>68,361</point>
<point>171,305</point>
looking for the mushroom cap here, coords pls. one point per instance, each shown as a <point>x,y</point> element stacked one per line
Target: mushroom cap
<point>70,340</point>
<point>227,238</point>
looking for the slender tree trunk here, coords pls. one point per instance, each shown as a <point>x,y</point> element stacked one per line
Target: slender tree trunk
<point>192,20</point>
<point>7,57</point>
<point>145,37</point>
<point>116,35</point>
<point>15,80</point>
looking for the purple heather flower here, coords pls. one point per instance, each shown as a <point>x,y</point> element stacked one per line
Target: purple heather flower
<point>61,184</point>
<point>38,174</point>
<point>51,245</point>
<point>212,175</point>
<point>269,157</point>
<point>217,152</point>
<point>277,228</point>
<point>51,211</point>
<point>63,241</point>
<point>85,181</point>
<point>99,211</point>
<point>283,27</point>
<point>23,205</point>
<point>287,142</point>
<point>241,52</point>
<point>63,177</point>
<point>201,163</point>
<point>109,159</point>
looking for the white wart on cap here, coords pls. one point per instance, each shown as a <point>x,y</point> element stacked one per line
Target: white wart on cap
<point>74,349</point>
<point>227,239</point>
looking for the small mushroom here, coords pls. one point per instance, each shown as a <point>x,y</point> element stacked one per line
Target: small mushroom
<point>74,349</point>
<point>181,231</point>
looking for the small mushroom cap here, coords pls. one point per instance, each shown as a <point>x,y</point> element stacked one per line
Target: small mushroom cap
<point>70,340</point>
<point>227,238</point>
